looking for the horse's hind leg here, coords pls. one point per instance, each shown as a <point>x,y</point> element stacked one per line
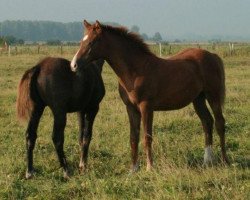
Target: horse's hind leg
<point>86,125</point>
<point>207,123</point>
<point>220,126</point>
<point>31,135</point>
<point>58,139</point>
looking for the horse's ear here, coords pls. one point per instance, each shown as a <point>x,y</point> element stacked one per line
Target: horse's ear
<point>86,24</point>
<point>98,23</point>
<point>98,26</point>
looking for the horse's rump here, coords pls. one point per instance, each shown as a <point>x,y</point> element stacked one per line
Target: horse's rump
<point>211,67</point>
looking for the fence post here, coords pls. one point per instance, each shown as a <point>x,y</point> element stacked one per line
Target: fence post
<point>169,51</point>
<point>229,44</point>
<point>9,51</point>
<point>38,49</point>
<point>61,49</point>
<point>231,48</point>
<point>213,46</point>
<point>160,48</point>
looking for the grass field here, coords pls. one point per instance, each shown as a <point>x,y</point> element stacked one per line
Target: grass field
<point>178,145</point>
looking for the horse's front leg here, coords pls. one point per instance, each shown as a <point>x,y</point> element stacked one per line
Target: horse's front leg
<point>86,122</point>
<point>147,120</point>
<point>58,140</point>
<point>134,120</point>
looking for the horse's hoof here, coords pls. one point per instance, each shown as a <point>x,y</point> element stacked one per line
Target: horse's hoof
<point>66,175</point>
<point>82,168</point>
<point>207,164</point>
<point>226,161</point>
<point>149,168</point>
<point>134,168</point>
<point>208,157</point>
<point>29,174</point>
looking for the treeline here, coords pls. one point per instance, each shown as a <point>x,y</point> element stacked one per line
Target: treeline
<point>52,32</point>
<point>9,39</point>
<point>156,37</point>
<point>42,30</point>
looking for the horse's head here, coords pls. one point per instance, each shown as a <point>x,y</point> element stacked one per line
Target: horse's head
<point>89,46</point>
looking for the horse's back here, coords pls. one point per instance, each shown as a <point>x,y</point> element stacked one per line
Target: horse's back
<point>59,87</point>
<point>202,57</point>
<point>209,63</point>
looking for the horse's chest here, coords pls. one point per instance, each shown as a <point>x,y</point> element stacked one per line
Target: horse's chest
<point>129,93</point>
<point>132,98</point>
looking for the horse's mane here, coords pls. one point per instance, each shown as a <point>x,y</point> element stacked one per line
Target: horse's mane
<point>133,38</point>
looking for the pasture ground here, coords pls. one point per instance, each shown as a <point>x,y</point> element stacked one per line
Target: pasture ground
<point>178,143</point>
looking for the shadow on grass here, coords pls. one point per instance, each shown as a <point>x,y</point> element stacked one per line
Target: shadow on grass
<point>100,162</point>
<point>196,161</point>
<point>241,162</point>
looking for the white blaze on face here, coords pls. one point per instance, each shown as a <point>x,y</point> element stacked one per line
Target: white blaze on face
<point>73,62</point>
<point>85,38</point>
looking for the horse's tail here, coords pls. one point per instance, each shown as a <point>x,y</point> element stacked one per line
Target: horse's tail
<point>26,92</point>
<point>222,81</point>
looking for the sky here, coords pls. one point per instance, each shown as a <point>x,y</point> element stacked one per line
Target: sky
<point>169,17</point>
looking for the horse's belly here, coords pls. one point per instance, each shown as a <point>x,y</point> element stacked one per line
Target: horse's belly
<point>88,100</point>
<point>78,103</point>
<point>171,106</point>
<point>176,100</point>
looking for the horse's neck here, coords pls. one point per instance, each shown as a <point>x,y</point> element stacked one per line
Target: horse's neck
<point>126,70</point>
<point>126,61</point>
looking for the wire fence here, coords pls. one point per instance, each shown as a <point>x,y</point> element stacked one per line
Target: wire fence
<point>160,49</point>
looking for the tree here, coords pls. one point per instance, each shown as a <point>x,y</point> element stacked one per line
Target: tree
<point>10,39</point>
<point>1,41</point>
<point>157,37</point>
<point>135,29</point>
<point>144,36</point>
<point>44,30</point>
<point>20,41</point>
<point>177,41</point>
<point>54,42</point>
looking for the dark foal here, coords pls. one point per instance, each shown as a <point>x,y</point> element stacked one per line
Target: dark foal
<point>148,83</point>
<point>52,83</point>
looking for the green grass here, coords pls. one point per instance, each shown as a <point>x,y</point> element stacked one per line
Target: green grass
<point>178,146</point>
